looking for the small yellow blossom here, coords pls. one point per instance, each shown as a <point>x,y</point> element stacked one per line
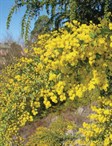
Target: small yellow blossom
<point>110,26</point>
<point>111,44</point>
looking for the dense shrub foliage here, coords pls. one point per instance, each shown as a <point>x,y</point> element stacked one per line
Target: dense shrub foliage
<point>99,131</point>
<point>72,63</point>
<point>59,133</point>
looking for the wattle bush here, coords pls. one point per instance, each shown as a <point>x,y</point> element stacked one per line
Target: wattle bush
<point>72,63</point>
<point>99,131</point>
<point>60,132</point>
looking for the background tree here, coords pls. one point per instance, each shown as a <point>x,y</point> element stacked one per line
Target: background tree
<point>60,11</point>
<point>9,51</point>
<point>41,26</point>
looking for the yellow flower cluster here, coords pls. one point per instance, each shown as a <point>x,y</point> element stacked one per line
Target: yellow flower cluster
<point>62,65</point>
<point>99,132</point>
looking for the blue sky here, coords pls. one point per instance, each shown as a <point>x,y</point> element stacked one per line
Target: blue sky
<point>15,27</point>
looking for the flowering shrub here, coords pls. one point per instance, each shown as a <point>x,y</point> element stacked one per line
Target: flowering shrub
<point>74,62</point>
<point>99,131</point>
<point>59,133</point>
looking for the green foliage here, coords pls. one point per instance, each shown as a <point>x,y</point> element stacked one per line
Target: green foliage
<point>61,10</point>
<point>57,134</point>
<point>41,26</point>
<point>13,9</point>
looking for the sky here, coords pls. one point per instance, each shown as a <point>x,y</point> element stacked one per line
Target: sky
<point>15,26</point>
